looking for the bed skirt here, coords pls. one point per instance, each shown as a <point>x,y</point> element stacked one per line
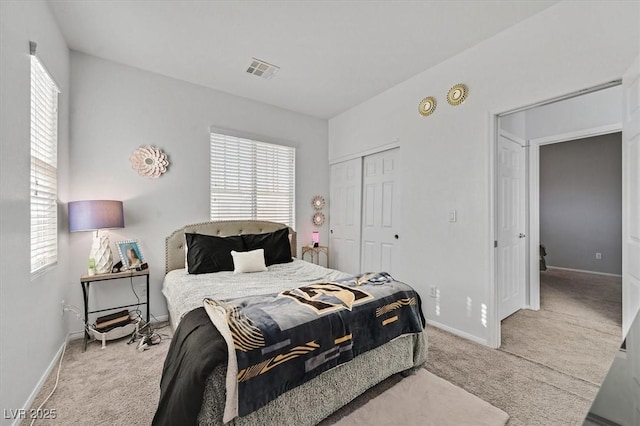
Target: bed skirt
<point>315,400</point>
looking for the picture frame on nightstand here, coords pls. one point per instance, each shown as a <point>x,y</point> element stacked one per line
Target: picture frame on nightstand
<point>130,254</point>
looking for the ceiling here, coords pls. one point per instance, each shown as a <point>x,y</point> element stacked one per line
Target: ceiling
<point>333,54</point>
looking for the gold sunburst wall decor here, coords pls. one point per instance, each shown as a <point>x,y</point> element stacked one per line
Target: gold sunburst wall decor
<point>457,94</point>
<point>318,202</point>
<point>427,106</point>
<point>318,218</point>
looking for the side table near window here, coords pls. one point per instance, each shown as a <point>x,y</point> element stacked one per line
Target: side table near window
<point>86,281</point>
<point>315,253</point>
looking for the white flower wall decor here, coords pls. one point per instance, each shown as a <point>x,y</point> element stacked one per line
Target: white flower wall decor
<point>149,161</point>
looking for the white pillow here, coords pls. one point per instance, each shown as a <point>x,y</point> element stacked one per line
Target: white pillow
<point>248,261</point>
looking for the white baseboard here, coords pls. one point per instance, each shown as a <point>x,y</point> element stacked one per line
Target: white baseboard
<point>53,364</point>
<point>161,318</point>
<point>584,271</point>
<point>458,332</point>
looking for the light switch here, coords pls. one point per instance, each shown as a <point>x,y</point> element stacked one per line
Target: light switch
<point>453,216</point>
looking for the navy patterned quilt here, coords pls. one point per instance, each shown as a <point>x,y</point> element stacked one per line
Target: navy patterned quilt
<point>279,341</point>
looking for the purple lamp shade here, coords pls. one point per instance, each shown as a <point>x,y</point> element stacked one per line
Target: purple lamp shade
<point>90,215</point>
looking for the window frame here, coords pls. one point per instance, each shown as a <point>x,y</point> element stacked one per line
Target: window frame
<point>43,169</point>
<point>247,163</point>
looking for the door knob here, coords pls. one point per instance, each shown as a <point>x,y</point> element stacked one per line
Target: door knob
<point>521,235</point>
<point>331,231</point>
<point>396,236</point>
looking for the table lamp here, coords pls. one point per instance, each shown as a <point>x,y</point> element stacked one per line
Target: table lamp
<point>97,215</point>
<point>315,237</point>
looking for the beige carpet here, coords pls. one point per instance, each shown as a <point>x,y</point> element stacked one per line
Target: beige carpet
<point>120,386</point>
<point>578,328</point>
<point>594,300</point>
<point>116,385</point>
<point>551,362</point>
<point>530,393</point>
<point>542,338</point>
<point>427,400</point>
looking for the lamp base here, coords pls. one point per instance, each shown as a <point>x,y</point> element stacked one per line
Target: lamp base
<point>101,253</point>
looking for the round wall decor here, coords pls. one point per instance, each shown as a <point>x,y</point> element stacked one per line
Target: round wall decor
<point>427,106</point>
<point>318,218</point>
<point>457,94</point>
<point>318,202</point>
<point>149,161</point>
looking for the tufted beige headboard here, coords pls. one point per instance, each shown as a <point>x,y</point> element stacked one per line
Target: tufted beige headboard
<point>174,243</point>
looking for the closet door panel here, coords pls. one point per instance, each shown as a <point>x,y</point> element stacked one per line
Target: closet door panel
<point>345,196</point>
<point>381,218</point>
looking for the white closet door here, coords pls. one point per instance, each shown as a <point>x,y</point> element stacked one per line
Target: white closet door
<point>344,215</point>
<point>380,212</point>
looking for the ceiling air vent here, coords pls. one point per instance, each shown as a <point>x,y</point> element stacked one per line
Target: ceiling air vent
<point>262,69</point>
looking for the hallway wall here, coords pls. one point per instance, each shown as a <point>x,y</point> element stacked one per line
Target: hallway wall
<point>581,203</point>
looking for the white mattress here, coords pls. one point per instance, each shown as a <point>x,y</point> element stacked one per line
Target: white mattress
<point>185,292</point>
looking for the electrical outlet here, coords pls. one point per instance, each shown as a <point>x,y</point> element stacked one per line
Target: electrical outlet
<point>598,256</point>
<point>433,291</point>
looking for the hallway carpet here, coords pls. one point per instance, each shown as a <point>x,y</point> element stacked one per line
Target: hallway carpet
<point>551,362</point>
<point>578,328</point>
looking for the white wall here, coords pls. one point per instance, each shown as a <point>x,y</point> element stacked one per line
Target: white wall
<point>116,108</point>
<point>32,327</point>
<point>602,108</point>
<point>618,399</point>
<point>615,399</point>
<point>446,156</point>
<point>515,123</point>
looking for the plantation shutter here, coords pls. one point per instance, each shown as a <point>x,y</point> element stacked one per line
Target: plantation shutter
<point>252,180</point>
<point>44,168</point>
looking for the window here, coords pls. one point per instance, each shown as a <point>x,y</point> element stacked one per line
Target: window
<point>252,180</point>
<point>44,168</point>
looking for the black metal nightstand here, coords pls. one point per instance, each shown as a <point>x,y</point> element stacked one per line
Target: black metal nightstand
<point>86,281</point>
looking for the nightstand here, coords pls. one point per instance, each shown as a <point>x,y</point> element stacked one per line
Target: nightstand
<point>86,281</point>
<point>315,253</point>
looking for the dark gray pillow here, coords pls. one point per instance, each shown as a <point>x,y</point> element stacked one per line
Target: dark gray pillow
<point>276,245</point>
<point>208,253</point>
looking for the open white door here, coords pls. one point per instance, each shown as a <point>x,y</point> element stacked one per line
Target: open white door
<point>344,215</point>
<point>380,212</point>
<point>630,195</point>
<point>511,226</point>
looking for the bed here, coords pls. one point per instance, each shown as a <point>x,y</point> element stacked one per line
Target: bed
<point>310,402</point>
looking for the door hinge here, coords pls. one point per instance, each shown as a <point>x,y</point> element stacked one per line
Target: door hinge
<point>495,244</point>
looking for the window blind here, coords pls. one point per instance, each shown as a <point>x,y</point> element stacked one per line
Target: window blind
<point>44,168</point>
<point>252,180</point>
